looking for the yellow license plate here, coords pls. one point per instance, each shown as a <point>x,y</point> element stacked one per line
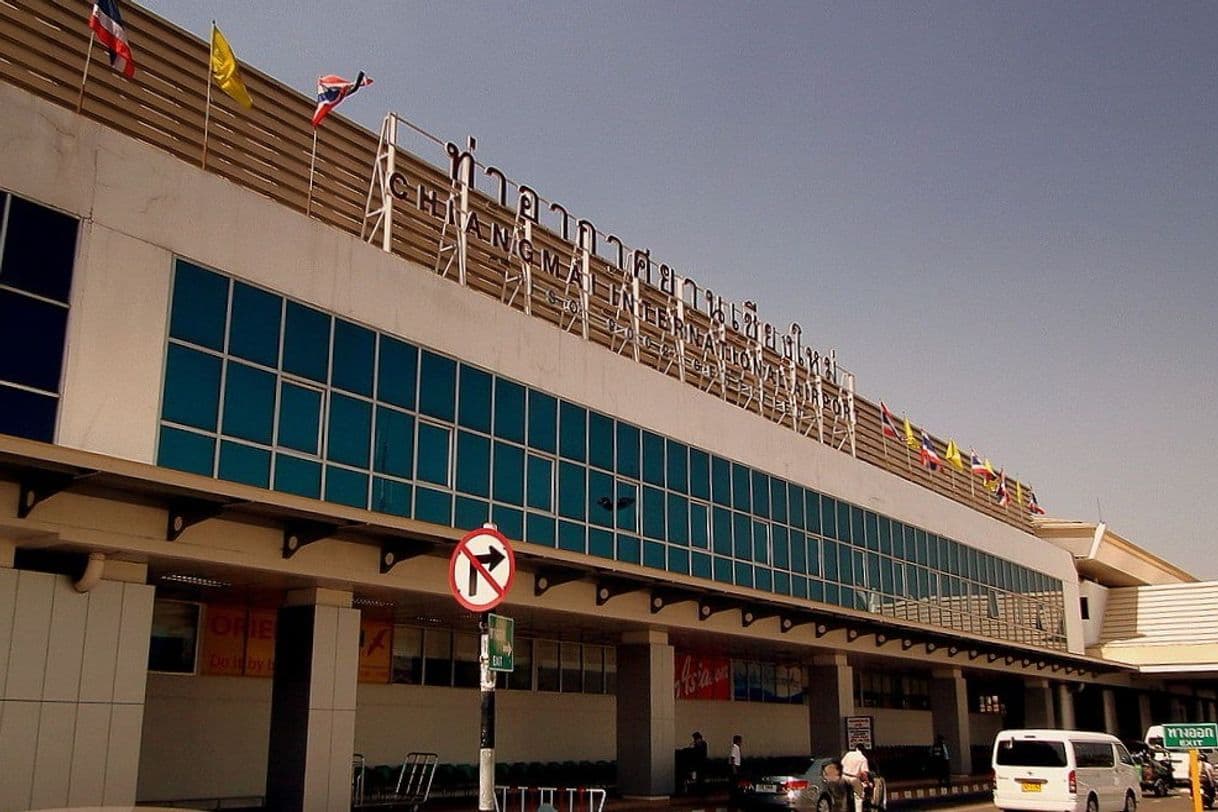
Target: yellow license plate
<point>1029,786</point>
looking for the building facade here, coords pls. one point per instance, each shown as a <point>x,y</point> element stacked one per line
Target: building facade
<point>238,441</point>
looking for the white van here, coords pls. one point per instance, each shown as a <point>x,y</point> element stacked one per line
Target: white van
<point>1063,771</point>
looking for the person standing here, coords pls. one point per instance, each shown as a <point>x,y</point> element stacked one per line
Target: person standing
<point>855,769</point>
<point>697,762</point>
<point>941,761</point>
<point>734,756</point>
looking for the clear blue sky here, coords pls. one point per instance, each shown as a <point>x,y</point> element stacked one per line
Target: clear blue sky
<point>1003,215</point>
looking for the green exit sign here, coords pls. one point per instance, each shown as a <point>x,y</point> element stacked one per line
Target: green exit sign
<point>1187,737</point>
<point>500,631</point>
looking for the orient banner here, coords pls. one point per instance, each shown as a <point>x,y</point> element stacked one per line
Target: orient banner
<point>702,677</point>
<point>375,640</point>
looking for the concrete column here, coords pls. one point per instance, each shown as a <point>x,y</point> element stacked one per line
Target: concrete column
<point>73,669</point>
<point>831,701</point>
<point>1112,725</point>
<point>1065,705</point>
<point>646,715</point>
<point>1145,717</point>
<point>1038,704</point>
<point>313,702</point>
<point>949,715</point>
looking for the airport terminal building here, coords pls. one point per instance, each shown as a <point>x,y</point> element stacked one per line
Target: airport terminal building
<point>244,419</point>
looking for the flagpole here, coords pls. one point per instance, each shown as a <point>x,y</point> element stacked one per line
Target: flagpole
<point>207,111</point>
<point>312,166</point>
<point>80,100</point>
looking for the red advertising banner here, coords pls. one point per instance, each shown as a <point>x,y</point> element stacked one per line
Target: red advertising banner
<point>260,643</point>
<point>375,650</point>
<point>223,643</point>
<point>698,677</point>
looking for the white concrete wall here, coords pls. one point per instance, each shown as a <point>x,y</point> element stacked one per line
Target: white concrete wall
<point>768,729</point>
<point>146,205</point>
<point>72,670</point>
<point>1097,608</point>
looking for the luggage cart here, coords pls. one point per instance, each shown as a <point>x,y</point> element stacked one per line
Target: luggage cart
<point>410,790</point>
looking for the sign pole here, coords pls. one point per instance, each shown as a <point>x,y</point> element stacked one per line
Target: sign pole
<point>1194,777</point>
<point>486,740</point>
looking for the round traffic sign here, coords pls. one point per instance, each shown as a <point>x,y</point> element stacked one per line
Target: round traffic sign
<point>481,569</point>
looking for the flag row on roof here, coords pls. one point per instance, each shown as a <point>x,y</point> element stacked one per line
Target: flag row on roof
<point>106,27</point>
<point>993,481</point>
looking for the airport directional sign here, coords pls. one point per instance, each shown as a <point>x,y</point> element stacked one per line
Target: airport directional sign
<point>1200,735</point>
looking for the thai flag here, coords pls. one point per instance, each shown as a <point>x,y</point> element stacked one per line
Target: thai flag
<point>928,455</point>
<point>331,90</point>
<point>977,467</point>
<point>107,24</point>
<point>1002,495</point>
<point>888,423</point>
<point>1033,505</point>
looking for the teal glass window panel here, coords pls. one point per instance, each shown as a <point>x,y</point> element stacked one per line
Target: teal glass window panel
<point>828,518</point>
<point>847,598</point>
<point>799,552</point>
<point>539,529</point>
<point>437,386</point>
<point>653,513</point>
<point>886,576</point>
<point>829,559</point>
<point>354,358</point>
<point>699,474</point>
<point>922,554</point>
<point>253,333</point>
<point>346,487</point>
<point>899,587</point>
<point>678,560</point>
<point>858,530</point>
<point>474,402</point>
<point>700,565</point>
<point>306,342</point>
<point>600,543</point>
<point>509,410</point>
<point>470,514</point>
<point>743,574</point>
<point>884,527</point>
<point>741,497</point>
<point>572,489</point>
<point>627,452</point>
<point>723,570</point>
<point>350,430</point>
<point>654,555</point>
<point>898,541</point>
<point>653,458</point>
<point>721,530</point>
<point>391,497</point>
<point>833,594</point>
<point>678,519</point>
<point>873,571</point>
<point>245,464</point>
<point>540,487</point>
<point>780,547</point>
<point>813,521</point>
<point>721,481</point>
<point>433,506</point>
<point>699,526</point>
<point>778,500</point>
<point>816,590</point>
<point>795,505</point>
<point>397,372</point>
<point>678,467</point>
<point>628,506</point>
<point>629,549</point>
<point>859,567</point>
<point>200,306</point>
<point>186,451</point>
<point>572,537</point>
<point>473,464</point>
<point>543,421</point>
<point>508,481</point>
<point>510,521</point>
<point>192,388</point>
<point>394,449</point>
<point>814,556</point>
<point>845,569</point>
<point>572,432</point>
<point>431,465</point>
<point>249,403</point>
<point>761,494</point>
<point>872,529</point>
<point>600,440</point>
<point>294,475</point>
<point>762,578</point>
<point>300,417</point>
<point>799,586</point>
<point>742,536</point>
<point>761,542</point>
<point>602,500</point>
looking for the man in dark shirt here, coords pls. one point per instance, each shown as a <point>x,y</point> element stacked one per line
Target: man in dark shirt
<point>697,762</point>
<point>841,793</point>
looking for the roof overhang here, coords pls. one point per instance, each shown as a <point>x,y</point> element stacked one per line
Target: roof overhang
<point>1106,557</point>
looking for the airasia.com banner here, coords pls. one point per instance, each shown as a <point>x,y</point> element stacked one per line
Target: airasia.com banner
<point>702,677</point>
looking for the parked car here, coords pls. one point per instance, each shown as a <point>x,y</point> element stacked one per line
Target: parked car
<point>807,790</point>
<point>1064,771</point>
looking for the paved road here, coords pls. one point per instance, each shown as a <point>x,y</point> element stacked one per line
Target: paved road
<point>1172,803</point>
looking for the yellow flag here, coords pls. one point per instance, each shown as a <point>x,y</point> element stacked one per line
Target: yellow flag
<point>910,440</point>
<point>953,455</point>
<point>224,69</point>
<point>991,480</point>
<point>1018,493</point>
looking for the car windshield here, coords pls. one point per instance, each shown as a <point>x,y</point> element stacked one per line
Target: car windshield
<point>1030,753</point>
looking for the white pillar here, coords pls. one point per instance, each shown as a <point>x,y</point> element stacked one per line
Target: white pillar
<point>646,715</point>
<point>949,715</point>
<point>1145,717</point>
<point>1038,704</point>
<point>1112,725</point>
<point>1065,702</point>
<point>831,700</point>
